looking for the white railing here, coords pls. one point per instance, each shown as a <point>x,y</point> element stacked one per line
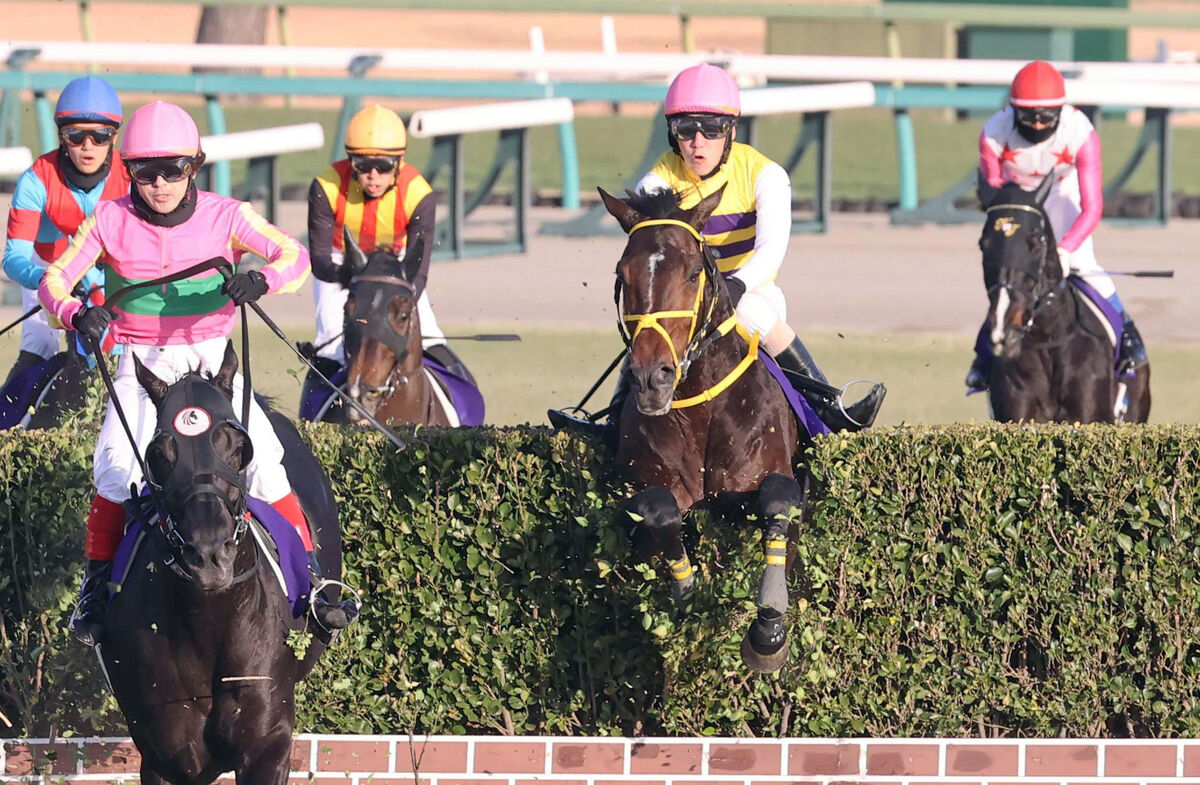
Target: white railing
<point>809,98</point>
<point>14,160</point>
<point>263,142</point>
<point>491,117</point>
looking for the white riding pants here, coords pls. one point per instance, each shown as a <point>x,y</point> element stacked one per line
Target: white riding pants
<point>1063,212</point>
<point>37,335</point>
<point>761,309</point>
<point>330,301</point>
<point>114,466</point>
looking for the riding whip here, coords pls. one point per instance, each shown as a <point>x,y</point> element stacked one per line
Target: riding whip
<point>27,315</point>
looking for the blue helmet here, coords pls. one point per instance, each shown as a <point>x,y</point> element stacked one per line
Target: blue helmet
<point>88,99</point>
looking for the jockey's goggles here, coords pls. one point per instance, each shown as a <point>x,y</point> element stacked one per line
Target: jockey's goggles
<point>384,164</point>
<point>711,126</point>
<point>148,170</point>
<point>1046,115</point>
<point>77,136</point>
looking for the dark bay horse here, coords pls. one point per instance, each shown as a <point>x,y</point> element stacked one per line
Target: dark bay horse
<point>39,395</point>
<point>196,644</point>
<point>1053,360</point>
<point>704,421</point>
<point>385,368</point>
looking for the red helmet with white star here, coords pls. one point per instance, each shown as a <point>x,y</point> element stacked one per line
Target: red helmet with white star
<point>1038,84</point>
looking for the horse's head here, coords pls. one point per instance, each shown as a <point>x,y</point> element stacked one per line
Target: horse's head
<point>1020,263</point>
<point>668,287</point>
<point>382,330</point>
<point>197,457</point>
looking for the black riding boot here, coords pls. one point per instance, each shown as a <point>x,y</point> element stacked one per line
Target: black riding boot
<point>24,360</point>
<point>977,376</point>
<point>450,361</point>
<point>312,382</point>
<point>1133,351</point>
<point>87,622</point>
<point>604,427</point>
<point>330,615</point>
<point>808,380</point>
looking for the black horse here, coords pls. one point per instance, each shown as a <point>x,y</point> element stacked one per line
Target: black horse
<point>200,643</point>
<point>1053,360</point>
<point>39,393</point>
<point>705,422</point>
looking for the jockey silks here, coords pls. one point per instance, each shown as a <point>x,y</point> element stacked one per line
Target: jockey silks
<point>373,222</point>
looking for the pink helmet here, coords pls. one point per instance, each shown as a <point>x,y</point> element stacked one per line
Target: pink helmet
<point>160,130</point>
<point>703,88</point>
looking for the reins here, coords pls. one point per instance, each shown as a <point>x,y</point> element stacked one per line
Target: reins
<point>699,334</point>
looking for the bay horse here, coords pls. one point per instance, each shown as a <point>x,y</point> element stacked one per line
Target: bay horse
<point>705,422</point>
<point>196,643</point>
<point>382,330</point>
<point>1053,359</point>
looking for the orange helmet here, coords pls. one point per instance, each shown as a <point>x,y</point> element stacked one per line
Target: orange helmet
<point>376,130</point>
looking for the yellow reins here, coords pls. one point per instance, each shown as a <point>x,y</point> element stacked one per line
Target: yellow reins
<point>650,321</point>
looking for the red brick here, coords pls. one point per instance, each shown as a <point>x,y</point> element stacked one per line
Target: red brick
<point>301,754</point>
<point>665,758</point>
<point>1139,760</point>
<point>384,779</point>
<point>551,782</point>
<point>630,782</point>
<point>991,760</point>
<point>431,756</point>
<point>745,758</point>
<point>1191,760</point>
<point>906,759</point>
<point>787,782</point>
<point>463,781</point>
<point>516,757</point>
<point>55,758</point>
<point>344,755</point>
<point>706,782</point>
<point>591,758</point>
<point>1061,760</point>
<point>18,759</point>
<point>822,759</point>
<point>111,758</point>
<point>322,781</point>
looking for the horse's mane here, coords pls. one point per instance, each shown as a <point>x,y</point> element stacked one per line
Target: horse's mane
<point>655,204</point>
<point>1011,193</point>
<point>384,263</point>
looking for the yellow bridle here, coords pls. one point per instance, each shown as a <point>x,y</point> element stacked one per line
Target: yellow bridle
<point>644,321</point>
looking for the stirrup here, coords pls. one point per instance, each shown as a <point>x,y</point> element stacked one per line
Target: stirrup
<point>315,596</point>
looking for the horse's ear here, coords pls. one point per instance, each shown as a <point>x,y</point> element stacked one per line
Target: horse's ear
<point>413,257</point>
<point>355,259</point>
<point>626,216</point>
<point>229,366</point>
<point>987,191</point>
<point>1043,189</point>
<point>155,387</point>
<point>697,217</point>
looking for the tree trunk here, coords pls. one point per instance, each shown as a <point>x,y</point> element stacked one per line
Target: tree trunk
<point>231,24</point>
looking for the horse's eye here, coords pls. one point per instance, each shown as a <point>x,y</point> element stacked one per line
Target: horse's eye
<point>695,276</point>
<point>160,458</point>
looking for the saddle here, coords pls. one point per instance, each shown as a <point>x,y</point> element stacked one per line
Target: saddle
<point>275,538</point>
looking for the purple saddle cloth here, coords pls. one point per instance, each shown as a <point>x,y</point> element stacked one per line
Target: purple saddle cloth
<point>804,412</point>
<point>465,396</point>
<point>289,554</point>
<point>1114,317</point>
<point>20,393</point>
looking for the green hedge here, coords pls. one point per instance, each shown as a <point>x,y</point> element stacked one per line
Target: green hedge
<point>962,581</point>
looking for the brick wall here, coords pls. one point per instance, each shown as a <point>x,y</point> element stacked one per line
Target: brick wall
<point>489,760</point>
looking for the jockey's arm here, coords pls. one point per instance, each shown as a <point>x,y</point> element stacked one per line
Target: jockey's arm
<point>772,227</point>
<point>287,260</point>
<point>1091,194</point>
<point>321,223</point>
<point>24,219</point>
<point>420,224</point>
<point>69,269</point>
<point>990,168</point>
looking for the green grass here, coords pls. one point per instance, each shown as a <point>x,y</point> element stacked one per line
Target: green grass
<point>549,368</point>
<point>611,146</point>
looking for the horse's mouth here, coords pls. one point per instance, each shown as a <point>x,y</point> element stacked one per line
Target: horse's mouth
<point>653,405</point>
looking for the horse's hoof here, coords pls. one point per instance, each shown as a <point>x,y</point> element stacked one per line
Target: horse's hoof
<point>765,649</point>
<point>683,593</point>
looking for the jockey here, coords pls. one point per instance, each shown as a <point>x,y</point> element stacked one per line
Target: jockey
<point>384,202</point>
<point>162,226</point>
<point>1039,133</point>
<point>53,197</point>
<point>748,231</point>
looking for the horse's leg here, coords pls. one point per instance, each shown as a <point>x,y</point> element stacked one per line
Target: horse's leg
<point>149,776</point>
<point>1137,391</point>
<point>271,762</point>
<point>658,528</point>
<point>764,649</point>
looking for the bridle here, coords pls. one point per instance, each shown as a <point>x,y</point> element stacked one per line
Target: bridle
<point>377,290</point>
<point>1040,300</point>
<point>701,331</point>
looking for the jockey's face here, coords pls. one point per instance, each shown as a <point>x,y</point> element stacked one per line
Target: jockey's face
<point>701,154</point>
<point>88,156</point>
<point>376,183</point>
<point>163,197</point>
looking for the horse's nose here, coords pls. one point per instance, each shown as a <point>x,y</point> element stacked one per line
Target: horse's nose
<point>653,378</point>
<point>219,557</point>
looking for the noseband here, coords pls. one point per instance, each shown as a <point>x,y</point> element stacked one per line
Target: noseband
<point>700,330</point>
<point>376,291</point>
<point>1042,300</point>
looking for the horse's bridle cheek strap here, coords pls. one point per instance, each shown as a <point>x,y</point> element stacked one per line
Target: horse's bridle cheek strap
<point>644,321</point>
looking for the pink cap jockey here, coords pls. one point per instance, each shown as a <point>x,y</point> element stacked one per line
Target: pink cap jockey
<point>703,89</point>
<point>160,130</point>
